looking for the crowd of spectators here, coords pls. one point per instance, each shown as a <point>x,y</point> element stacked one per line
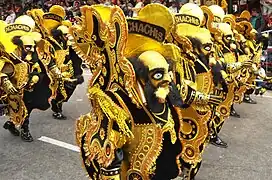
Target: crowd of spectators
<point>9,10</point>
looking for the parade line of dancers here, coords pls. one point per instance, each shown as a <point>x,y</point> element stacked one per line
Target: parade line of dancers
<point>162,84</point>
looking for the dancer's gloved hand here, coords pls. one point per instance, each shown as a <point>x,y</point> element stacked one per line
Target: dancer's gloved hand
<point>247,63</point>
<point>215,100</point>
<point>34,80</point>
<point>227,77</point>
<point>8,87</point>
<point>234,67</point>
<point>203,99</point>
<point>56,73</point>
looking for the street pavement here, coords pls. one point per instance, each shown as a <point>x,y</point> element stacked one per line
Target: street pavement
<point>248,157</point>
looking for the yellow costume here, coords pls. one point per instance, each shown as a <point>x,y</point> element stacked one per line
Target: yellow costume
<point>228,54</point>
<point>130,132</point>
<point>195,81</point>
<point>252,45</point>
<point>67,73</point>
<point>24,77</point>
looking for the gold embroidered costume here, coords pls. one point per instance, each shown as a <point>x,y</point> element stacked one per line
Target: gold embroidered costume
<point>195,80</point>
<point>252,45</point>
<point>226,50</point>
<point>67,73</point>
<point>68,63</point>
<point>131,131</point>
<point>224,86</point>
<point>25,76</point>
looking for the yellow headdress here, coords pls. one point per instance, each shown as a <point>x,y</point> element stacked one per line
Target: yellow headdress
<point>225,28</point>
<point>231,20</point>
<point>67,23</point>
<point>188,23</point>
<point>190,13</point>
<point>189,18</point>
<point>149,30</point>
<point>244,16</point>
<point>209,23</point>
<point>36,12</point>
<point>58,10</point>
<point>218,13</point>
<point>3,24</point>
<point>23,25</point>
<point>54,18</point>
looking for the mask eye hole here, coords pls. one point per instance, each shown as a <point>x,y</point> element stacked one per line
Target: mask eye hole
<point>228,37</point>
<point>28,47</point>
<point>158,75</point>
<point>208,47</point>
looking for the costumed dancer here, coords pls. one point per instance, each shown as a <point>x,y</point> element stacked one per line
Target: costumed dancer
<point>132,129</point>
<point>223,83</point>
<point>66,59</point>
<point>243,54</point>
<point>71,70</point>
<point>253,45</point>
<point>24,77</point>
<point>195,81</point>
<point>227,52</point>
<point>47,53</point>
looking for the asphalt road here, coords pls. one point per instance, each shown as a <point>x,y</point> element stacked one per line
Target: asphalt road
<point>248,157</point>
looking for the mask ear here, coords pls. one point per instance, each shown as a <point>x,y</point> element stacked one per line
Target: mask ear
<point>196,44</point>
<point>140,69</point>
<point>171,64</point>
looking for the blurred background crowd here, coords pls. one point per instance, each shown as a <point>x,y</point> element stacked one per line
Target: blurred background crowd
<point>10,9</point>
<point>16,8</point>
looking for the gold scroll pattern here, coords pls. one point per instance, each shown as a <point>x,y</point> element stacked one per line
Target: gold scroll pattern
<point>143,150</point>
<point>193,134</point>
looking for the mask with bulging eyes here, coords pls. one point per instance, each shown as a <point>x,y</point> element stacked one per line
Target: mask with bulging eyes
<point>229,41</point>
<point>227,38</point>
<point>28,48</point>
<point>207,49</point>
<point>158,74</point>
<point>204,42</point>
